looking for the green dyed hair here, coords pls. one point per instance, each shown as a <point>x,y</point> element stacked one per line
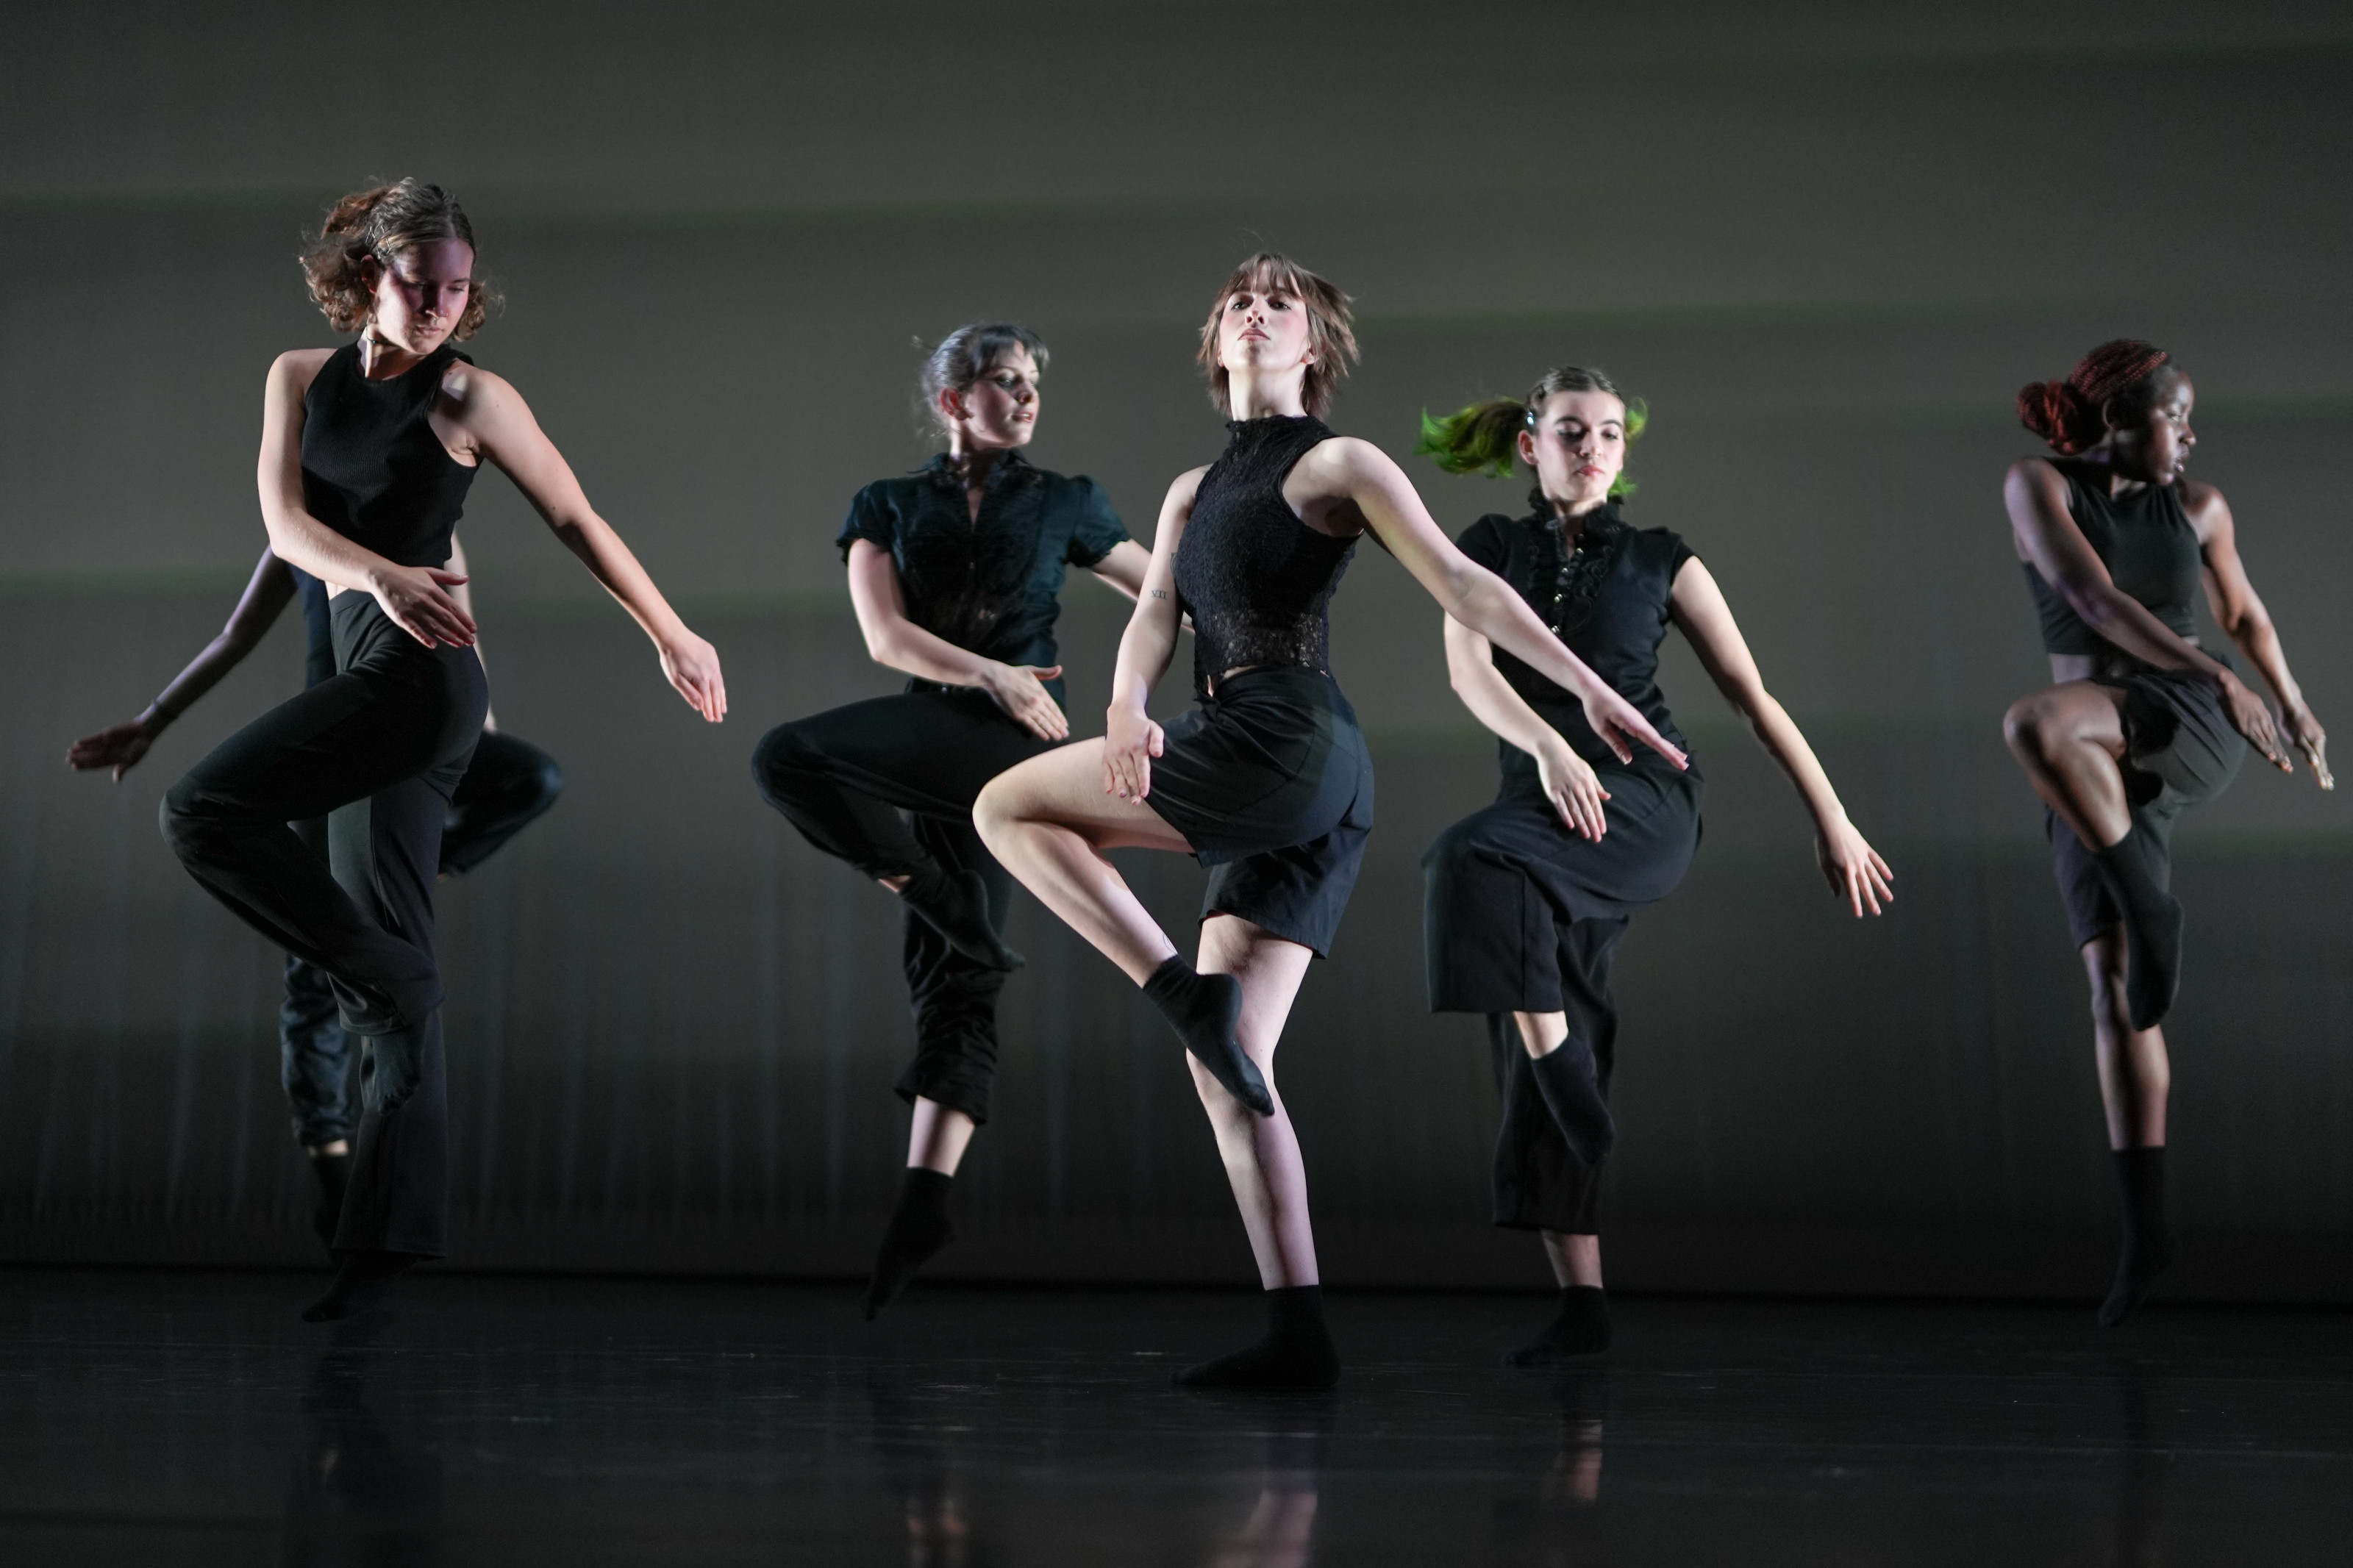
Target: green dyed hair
<point>1485,437</point>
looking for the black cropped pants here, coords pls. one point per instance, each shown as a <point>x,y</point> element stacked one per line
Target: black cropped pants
<point>378,750</point>
<point>843,778</point>
<point>509,784</point>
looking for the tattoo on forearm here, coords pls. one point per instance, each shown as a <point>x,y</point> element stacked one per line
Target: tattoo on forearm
<point>1157,592</point>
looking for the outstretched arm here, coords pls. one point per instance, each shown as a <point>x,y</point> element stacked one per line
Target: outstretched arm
<point>1569,781</point>
<point>897,643</point>
<point>1855,871</point>
<point>1131,740</point>
<point>257,609</point>
<point>2245,622</point>
<point>1470,593</point>
<point>501,424</point>
<point>2049,541</point>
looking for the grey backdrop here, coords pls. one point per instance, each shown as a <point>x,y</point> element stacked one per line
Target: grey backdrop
<point>1827,243</point>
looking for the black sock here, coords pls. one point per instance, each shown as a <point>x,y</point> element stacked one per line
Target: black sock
<point>363,1278</point>
<point>1297,1351</point>
<point>919,1227</point>
<point>334,1173</point>
<point>2134,871</point>
<point>1204,1010</point>
<point>1571,1088</point>
<point>955,903</point>
<point>1581,1328</point>
<point>2149,1240</point>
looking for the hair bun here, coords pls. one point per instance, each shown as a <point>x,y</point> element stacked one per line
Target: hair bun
<point>2055,411</point>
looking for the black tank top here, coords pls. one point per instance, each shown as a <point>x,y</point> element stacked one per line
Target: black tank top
<point>1257,581</point>
<point>373,470</point>
<point>2148,543</point>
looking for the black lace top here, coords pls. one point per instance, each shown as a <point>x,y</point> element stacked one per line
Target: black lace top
<point>1257,581</point>
<point>2148,543</point>
<point>991,584</point>
<point>1608,597</point>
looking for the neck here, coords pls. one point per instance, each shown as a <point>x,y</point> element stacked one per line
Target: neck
<point>1250,397</point>
<point>2119,480</point>
<point>1573,511</point>
<point>975,460</point>
<point>381,361</point>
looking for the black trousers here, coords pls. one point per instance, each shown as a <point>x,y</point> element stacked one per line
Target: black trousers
<point>378,750</point>
<point>1540,1184</point>
<point>843,778</point>
<point>509,784</point>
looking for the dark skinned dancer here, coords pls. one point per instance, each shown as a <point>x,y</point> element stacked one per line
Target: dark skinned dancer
<point>367,452</point>
<point>2141,722</point>
<point>955,572</point>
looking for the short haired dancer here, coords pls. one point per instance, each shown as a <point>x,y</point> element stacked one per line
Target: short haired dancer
<point>509,784</point>
<point>955,572</point>
<point>1529,899</point>
<point>367,452</point>
<point>2142,722</point>
<point>1267,780</point>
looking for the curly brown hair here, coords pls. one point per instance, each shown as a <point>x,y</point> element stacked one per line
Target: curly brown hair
<point>1331,328</point>
<point>377,225</point>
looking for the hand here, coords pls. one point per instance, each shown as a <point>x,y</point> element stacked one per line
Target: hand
<point>1131,740</point>
<point>2251,717</point>
<point>417,600</point>
<point>119,747</point>
<point>1620,724</point>
<point>1856,872</point>
<point>2305,731</point>
<point>691,667</point>
<point>1573,787</point>
<point>1018,690</point>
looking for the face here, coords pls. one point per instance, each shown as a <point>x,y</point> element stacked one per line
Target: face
<point>418,300</point>
<point>2154,443</point>
<point>1578,447</point>
<point>999,410</point>
<point>1263,331</point>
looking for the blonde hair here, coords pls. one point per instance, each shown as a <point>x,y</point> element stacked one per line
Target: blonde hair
<point>1331,328</point>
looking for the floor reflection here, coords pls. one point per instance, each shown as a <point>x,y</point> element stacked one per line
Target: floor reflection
<point>1279,1529</point>
<point>368,1483</point>
<point>2147,1466</point>
<point>1556,1524</point>
<point>922,1462</point>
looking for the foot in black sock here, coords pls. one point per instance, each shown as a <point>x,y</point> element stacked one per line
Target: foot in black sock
<point>334,1173</point>
<point>361,1281</point>
<point>1581,1328</point>
<point>1204,1010</point>
<point>1571,1088</point>
<point>2148,1241</point>
<point>2134,869</point>
<point>919,1227</point>
<point>1297,1351</point>
<point>955,903</point>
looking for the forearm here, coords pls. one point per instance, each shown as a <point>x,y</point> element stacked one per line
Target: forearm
<point>204,672</point>
<point>1144,650</point>
<point>1786,744</point>
<point>1491,702</point>
<point>614,566</point>
<point>2259,641</point>
<point>302,540</point>
<point>2127,623</point>
<point>907,647</point>
<point>1487,604</point>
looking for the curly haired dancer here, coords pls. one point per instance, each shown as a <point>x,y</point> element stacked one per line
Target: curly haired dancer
<point>1529,899</point>
<point>2142,722</point>
<point>367,452</point>
<point>1267,780</point>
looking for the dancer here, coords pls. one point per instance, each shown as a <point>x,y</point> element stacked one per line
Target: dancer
<point>1527,900</point>
<point>2141,722</point>
<point>1268,781</point>
<point>366,454</point>
<point>509,784</point>
<point>955,572</point>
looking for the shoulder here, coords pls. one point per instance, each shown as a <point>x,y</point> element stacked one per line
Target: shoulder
<point>2204,504</point>
<point>890,496</point>
<point>296,369</point>
<point>1182,489</point>
<point>468,386</point>
<point>1489,536</point>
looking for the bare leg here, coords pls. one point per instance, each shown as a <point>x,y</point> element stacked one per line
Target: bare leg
<point>2135,1075</point>
<point>1261,1153</point>
<point>936,1137</point>
<point>1575,1259</point>
<point>2069,739</point>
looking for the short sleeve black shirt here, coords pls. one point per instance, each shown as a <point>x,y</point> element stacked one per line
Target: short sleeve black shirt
<point>1607,599</point>
<point>992,585</point>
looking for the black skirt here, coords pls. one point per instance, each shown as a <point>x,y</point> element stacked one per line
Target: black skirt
<point>1270,782</point>
<point>2180,750</point>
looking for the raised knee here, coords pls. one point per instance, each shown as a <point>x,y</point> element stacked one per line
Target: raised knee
<point>2027,728</point>
<point>184,817</point>
<point>781,756</point>
<point>549,783</point>
<point>994,810</point>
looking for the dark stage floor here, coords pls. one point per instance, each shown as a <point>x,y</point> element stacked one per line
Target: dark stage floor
<point>188,1418</point>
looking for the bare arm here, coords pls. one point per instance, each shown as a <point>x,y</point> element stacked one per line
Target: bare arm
<point>121,746</point>
<point>1569,781</point>
<point>414,598</point>
<point>1854,868</point>
<point>1361,473</point>
<point>1123,567</point>
<point>2245,622</point>
<point>894,641</point>
<point>463,591</point>
<point>1131,740</point>
<point>493,416</point>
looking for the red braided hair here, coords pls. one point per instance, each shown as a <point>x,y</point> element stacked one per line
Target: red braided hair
<point>2067,413</point>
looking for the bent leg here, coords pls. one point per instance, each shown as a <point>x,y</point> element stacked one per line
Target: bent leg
<point>2069,740</point>
<point>2135,1075</point>
<point>509,785</point>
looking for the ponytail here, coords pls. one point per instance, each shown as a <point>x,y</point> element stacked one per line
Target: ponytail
<point>1484,437</point>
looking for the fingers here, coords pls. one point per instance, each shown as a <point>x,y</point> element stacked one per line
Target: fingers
<point>446,579</point>
<point>1155,740</point>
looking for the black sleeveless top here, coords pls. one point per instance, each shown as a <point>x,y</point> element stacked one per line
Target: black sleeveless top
<point>373,470</point>
<point>1608,599</point>
<point>1256,580</point>
<point>2148,543</point>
